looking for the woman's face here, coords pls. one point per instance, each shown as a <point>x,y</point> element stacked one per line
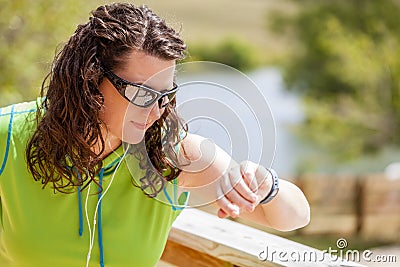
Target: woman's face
<point>125,121</point>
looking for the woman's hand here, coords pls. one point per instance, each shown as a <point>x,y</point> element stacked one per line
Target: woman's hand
<point>242,188</point>
<point>236,189</point>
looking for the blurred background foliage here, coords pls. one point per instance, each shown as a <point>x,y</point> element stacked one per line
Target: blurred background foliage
<point>346,63</point>
<point>234,52</point>
<point>30,31</point>
<point>343,57</point>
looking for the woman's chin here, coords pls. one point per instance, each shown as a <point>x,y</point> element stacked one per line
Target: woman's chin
<point>133,138</point>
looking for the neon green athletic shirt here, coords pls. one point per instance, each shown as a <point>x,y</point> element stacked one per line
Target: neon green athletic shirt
<point>41,228</point>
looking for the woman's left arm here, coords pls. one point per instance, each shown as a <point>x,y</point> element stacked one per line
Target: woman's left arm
<point>238,188</point>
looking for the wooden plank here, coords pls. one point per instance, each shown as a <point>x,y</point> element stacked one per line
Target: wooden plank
<point>380,195</point>
<point>162,263</point>
<point>343,224</point>
<point>239,244</point>
<point>266,229</point>
<point>380,209</point>
<point>212,210</point>
<point>330,194</point>
<point>179,255</point>
<point>382,227</point>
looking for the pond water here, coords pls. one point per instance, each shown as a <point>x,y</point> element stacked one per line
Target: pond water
<point>251,116</point>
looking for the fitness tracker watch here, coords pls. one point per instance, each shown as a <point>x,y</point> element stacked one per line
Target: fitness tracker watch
<point>274,189</point>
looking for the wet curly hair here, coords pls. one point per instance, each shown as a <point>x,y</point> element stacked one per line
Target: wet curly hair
<point>68,121</point>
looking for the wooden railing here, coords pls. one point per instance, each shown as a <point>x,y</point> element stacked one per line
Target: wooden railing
<point>353,205</point>
<point>199,238</point>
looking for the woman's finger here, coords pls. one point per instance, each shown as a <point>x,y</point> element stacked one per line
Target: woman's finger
<point>240,186</point>
<point>248,169</point>
<point>264,179</point>
<point>226,206</point>
<point>222,214</point>
<point>234,197</point>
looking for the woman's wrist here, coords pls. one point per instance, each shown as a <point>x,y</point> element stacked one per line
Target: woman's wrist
<point>274,187</point>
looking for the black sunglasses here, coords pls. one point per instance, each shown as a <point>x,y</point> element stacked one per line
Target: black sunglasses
<point>139,94</point>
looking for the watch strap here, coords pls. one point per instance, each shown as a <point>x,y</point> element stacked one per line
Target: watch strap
<point>274,188</point>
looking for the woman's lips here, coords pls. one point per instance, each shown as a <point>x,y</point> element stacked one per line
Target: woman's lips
<point>141,126</point>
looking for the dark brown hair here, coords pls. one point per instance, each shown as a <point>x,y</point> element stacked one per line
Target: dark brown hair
<point>68,120</point>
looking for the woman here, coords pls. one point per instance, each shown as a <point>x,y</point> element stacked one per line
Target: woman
<point>113,82</point>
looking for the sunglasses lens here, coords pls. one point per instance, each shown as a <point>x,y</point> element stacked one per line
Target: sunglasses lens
<point>140,96</point>
<point>171,96</point>
<point>164,101</point>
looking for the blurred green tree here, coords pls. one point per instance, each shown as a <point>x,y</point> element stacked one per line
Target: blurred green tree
<point>234,52</point>
<point>346,62</point>
<point>30,31</point>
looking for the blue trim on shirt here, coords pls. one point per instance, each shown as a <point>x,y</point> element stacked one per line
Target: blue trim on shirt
<point>100,226</point>
<point>175,205</point>
<point>3,165</point>
<point>12,112</point>
<point>80,210</point>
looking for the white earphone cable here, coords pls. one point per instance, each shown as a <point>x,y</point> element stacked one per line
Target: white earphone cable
<point>93,232</point>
